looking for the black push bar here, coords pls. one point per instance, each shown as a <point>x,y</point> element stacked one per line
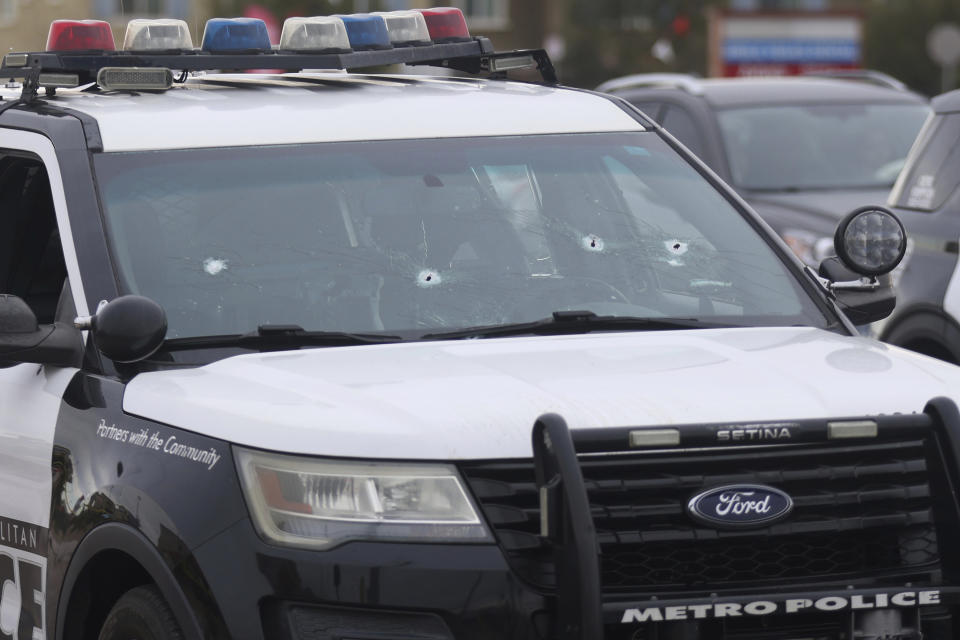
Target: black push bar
<point>566,522</point>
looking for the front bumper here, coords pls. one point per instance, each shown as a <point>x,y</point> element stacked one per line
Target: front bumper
<point>394,591</point>
<point>366,591</point>
<point>398,591</point>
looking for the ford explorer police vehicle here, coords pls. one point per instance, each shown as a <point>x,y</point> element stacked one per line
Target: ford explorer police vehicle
<point>319,354</point>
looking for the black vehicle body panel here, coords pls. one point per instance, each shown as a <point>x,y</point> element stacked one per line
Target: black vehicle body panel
<point>110,468</point>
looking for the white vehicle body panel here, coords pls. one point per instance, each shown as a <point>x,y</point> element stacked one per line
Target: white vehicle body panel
<point>274,110</point>
<point>478,399</point>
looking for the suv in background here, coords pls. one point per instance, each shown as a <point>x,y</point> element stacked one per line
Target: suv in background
<point>927,198</point>
<point>802,151</point>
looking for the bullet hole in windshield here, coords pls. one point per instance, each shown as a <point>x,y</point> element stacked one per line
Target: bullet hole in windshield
<point>213,266</point>
<point>592,243</point>
<point>428,278</point>
<point>676,247</point>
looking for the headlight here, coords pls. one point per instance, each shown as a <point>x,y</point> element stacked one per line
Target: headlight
<point>318,503</point>
<point>809,247</point>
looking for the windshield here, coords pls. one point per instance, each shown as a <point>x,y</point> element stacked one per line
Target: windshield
<point>414,236</point>
<point>824,146</point>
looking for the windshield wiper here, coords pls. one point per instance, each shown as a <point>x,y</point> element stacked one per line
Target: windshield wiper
<point>562,322</point>
<point>276,337</point>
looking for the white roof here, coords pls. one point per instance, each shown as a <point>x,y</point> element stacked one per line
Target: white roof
<point>244,109</point>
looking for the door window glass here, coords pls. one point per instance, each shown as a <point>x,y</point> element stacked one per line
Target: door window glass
<point>32,265</point>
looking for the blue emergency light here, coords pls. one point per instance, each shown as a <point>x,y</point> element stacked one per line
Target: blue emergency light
<point>233,35</point>
<point>366,31</point>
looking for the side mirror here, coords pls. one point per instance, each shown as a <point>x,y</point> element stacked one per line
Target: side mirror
<point>23,340</point>
<point>870,243</point>
<point>127,329</point>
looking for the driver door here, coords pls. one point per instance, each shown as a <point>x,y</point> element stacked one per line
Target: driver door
<point>33,266</point>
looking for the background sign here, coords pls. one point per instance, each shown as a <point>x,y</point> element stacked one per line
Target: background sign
<point>748,44</point>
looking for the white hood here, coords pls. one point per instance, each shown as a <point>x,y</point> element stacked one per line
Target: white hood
<point>476,399</point>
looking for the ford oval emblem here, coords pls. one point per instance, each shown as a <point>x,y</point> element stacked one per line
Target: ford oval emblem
<point>740,506</point>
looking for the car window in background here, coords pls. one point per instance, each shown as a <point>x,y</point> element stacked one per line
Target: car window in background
<point>793,147</point>
<point>934,174</point>
<point>679,122</point>
<point>653,110</point>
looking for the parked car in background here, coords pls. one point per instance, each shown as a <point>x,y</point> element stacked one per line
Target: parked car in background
<point>928,201</point>
<point>802,151</point>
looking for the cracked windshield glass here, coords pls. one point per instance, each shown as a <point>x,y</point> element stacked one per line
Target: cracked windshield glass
<point>412,236</point>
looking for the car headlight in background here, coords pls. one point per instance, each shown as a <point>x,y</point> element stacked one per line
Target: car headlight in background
<point>809,247</point>
<point>320,503</point>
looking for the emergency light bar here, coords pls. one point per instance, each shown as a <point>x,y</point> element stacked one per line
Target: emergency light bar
<point>78,49</point>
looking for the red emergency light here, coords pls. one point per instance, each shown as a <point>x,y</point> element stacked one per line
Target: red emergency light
<point>446,24</point>
<point>80,35</point>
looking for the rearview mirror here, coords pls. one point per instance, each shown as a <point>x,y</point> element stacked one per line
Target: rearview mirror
<point>23,340</point>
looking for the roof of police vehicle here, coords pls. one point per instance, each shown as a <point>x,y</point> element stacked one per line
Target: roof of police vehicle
<point>738,92</point>
<point>254,109</point>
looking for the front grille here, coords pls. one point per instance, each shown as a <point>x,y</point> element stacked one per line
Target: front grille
<point>859,512</point>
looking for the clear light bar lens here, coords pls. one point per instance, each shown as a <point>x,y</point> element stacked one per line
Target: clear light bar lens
<point>16,59</point>
<point>507,63</point>
<point>134,78</point>
<point>58,80</point>
<point>157,35</point>
<point>654,438</point>
<point>323,34</point>
<point>406,27</point>
<point>852,429</point>
<point>309,502</point>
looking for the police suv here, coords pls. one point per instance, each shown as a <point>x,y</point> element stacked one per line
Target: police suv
<point>329,355</point>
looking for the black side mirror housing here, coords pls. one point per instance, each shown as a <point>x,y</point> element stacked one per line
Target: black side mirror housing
<point>23,340</point>
<point>127,329</point>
